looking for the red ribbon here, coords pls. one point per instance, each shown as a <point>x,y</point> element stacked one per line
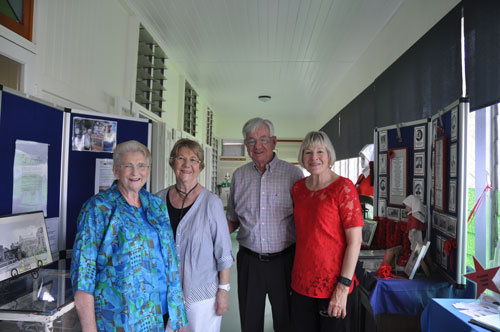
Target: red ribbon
<point>478,202</point>
<point>384,271</point>
<point>449,245</point>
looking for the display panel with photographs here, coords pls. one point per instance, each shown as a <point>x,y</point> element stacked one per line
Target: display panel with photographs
<point>393,213</point>
<point>440,173</point>
<point>382,186</point>
<point>452,196</point>
<point>419,188</point>
<point>382,164</point>
<point>398,175</point>
<point>94,135</point>
<point>368,231</point>
<point>453,160</point>
<point>454,124</point>
<point>416,257</point>
<point>419,163</point>
<point>381,207</point>
<point>419,137</point>
<point>24,243</point>
<point>382,141</point>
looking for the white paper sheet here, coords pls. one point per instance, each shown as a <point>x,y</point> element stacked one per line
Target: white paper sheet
<point>104,176</point>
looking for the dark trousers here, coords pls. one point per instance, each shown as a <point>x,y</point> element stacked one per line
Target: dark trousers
<point>306,314</point>
<point>256,278</point>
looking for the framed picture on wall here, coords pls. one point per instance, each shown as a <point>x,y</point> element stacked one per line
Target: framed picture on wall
<point>419,137</point>
<point>452,199</point>
<point>382,164</point>
<point>382,186</point>
<point>440,180</point>
<point>393,213</point>
<point>454,124</point>
<point>418,188</point>
<point>382,141</point>
<point>453,160</point>
<point>451,226</point>
<point>419,163</point>
<point>381,207</point>
<point>398,175</point>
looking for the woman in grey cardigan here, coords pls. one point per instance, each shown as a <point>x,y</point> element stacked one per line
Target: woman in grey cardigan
<point>201,237</point>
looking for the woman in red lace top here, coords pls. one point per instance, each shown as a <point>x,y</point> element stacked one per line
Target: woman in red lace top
<point>328,224</point>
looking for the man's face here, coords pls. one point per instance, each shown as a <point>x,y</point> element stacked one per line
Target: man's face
<point>260,145</point>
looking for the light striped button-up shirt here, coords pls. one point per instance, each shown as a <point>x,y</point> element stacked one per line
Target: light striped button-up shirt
<point>262,204</point>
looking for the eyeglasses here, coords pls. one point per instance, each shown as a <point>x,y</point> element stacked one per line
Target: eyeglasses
<point>262,140</point>
<point>139,167</point>
<point>183,159</point>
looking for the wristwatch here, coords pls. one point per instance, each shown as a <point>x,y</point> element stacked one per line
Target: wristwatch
<point>225,287</point>
<point>344,281</point>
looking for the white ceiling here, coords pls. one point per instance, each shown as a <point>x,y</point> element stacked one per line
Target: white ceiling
<point>296,51</point>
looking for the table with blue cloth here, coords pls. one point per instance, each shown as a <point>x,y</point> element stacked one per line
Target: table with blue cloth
<point>441,315</point>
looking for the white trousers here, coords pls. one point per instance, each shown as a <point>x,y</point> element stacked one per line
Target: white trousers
<point>201,317</point>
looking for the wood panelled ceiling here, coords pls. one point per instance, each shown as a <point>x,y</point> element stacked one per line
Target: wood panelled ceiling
<point>296,51</point>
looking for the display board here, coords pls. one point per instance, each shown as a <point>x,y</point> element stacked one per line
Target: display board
<point>104,132</point>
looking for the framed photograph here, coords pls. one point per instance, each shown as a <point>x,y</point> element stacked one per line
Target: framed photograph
<point>454,124</point>
<point>440,173</point>
<point>452,196</point>
<point>435,221</point>
<point>382,186</point>
<point>434,129</point>
<point>451,226</point>
<point>441,257</point>
<point>25,243</point>
<point>381,207</point>
<point>398,175</point>
<point>419,188</point>
<point>382,141</point>
<point>419,163</point>
<point>382,164</point>
<point>393,213</point>
<point>419,137</point>
<point>416,257</point>
<point>453,160</point>
<point>404,215</point>
<point>368,231</point>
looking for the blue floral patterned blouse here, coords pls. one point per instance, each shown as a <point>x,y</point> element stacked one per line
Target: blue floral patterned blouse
<point>114,260</point>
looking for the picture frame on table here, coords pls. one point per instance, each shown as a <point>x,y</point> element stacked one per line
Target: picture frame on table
<point>452,196</point>
<point>382,186</point>
<point>368,231</point>
<point>382,164</point>
<point>398,175</point>
<point>393,213</point>
<point>416,257</point>
<point>419,163</point>
<point>440,179</point>
<point>419,137</point>
<point>382,141</point>
<point>27,246</point>
<point>454,124</point>
<point>381,207</point>
<point>419,188</point>
<point>453,160</point>
<point>404,215</point>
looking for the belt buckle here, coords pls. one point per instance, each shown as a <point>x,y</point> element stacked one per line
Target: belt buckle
<point>264,258</point>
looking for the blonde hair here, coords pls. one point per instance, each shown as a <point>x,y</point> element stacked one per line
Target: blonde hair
<point>317,138</point>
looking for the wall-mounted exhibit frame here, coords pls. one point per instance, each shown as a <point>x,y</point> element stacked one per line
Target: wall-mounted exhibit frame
<point>439,188</point>
<point>398,176</point>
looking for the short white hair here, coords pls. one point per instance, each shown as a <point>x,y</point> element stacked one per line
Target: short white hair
<point>130,146</point>
<point>252,125</point>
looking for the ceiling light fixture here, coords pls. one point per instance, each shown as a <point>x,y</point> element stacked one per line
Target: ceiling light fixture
<point>264,98</point>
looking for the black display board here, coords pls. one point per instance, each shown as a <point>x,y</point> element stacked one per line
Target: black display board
<point>23,118</point>
<point>82,164</point>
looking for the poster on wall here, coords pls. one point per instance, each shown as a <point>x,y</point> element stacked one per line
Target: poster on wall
<point>419,137</point>
<point>398,174</point>
<point>30,181</point>
<point>452,202</point>
<point>419,163</point>
<point>104,175</point>
<point>439,173</point>
<point>25,244</point>
<point>453,160</point>
<point>382,164</point>
<point>94,135</point>
<point>382,186</point>
<point>454,124</point>
<point>382,141</point>
<point>418,188</point>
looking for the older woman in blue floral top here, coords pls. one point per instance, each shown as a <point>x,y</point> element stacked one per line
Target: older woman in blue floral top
<point>124,268</point>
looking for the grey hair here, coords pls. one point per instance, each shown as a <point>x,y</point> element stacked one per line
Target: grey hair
<point>317,138</point>
<point>191,145</point>
<point>252,124</point>
<point>130,146</point>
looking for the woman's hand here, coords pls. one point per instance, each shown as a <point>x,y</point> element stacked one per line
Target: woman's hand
<point>338,301</point>
<point>221,302</point>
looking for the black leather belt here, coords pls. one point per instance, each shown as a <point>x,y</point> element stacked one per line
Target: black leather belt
<point>267,257</point>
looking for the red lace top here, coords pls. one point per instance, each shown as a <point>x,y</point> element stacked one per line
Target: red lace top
<point>320,220</point>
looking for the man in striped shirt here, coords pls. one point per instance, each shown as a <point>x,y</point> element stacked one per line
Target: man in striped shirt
<point>260,205</point>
